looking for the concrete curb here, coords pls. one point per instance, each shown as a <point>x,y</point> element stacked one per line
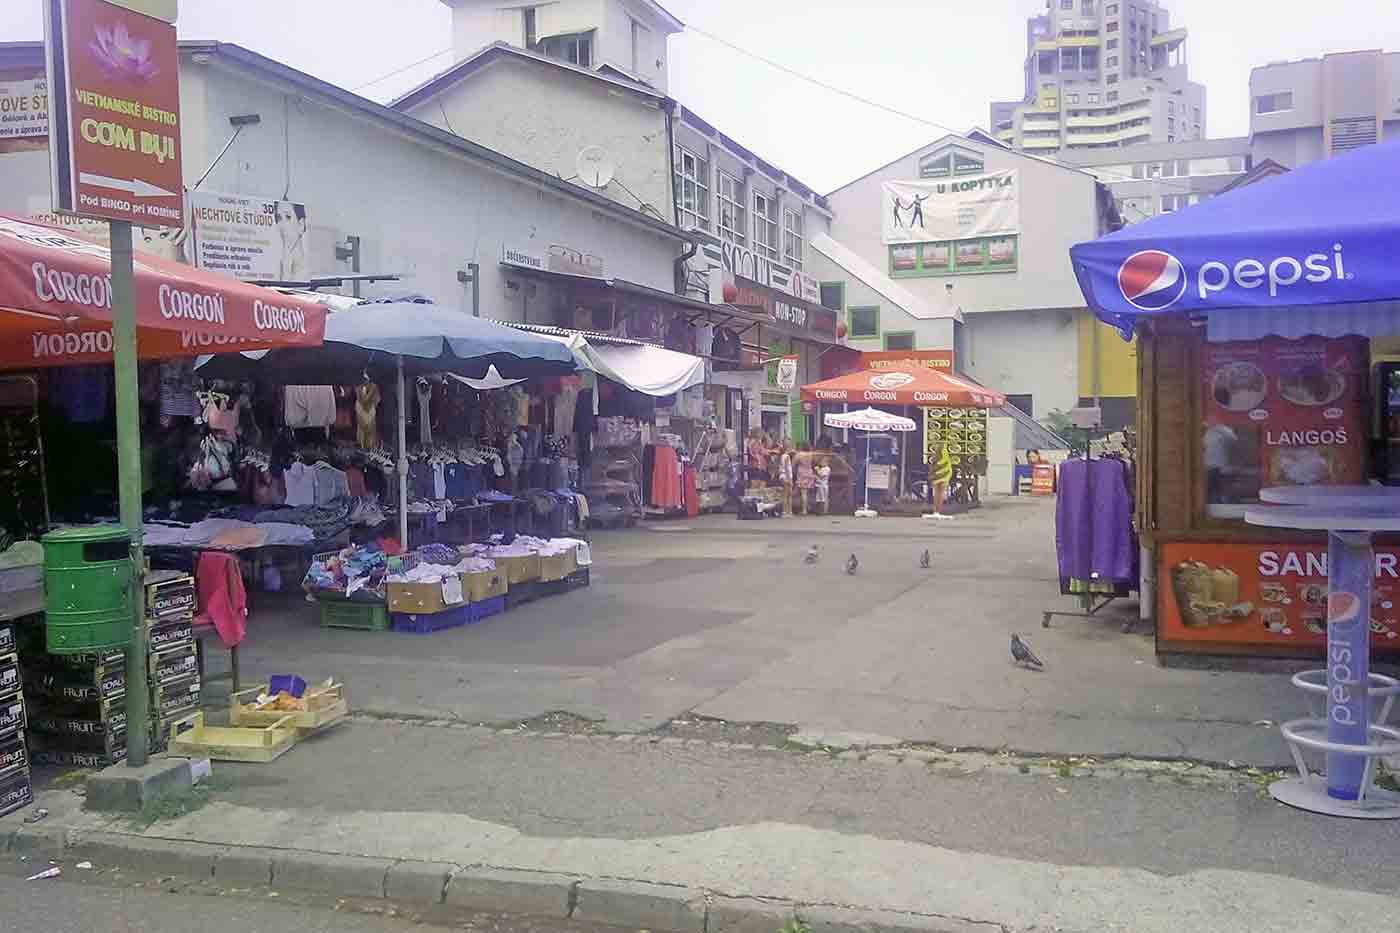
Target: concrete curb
<point>618,902</point>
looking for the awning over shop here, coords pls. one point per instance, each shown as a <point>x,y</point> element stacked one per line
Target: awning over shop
<point>639,366</point>
<point>56,299</point>
<point>915,386</point>
<point>1321,235</point>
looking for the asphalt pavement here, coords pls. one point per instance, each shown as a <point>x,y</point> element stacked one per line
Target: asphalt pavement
<point>721,618</point>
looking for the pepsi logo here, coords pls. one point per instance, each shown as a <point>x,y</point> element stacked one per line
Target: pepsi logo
<point>1152,280</point>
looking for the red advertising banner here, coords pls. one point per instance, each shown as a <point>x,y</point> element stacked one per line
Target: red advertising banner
<point>114,89</point>
<point>1282,413</point>
<point>1264,594</point>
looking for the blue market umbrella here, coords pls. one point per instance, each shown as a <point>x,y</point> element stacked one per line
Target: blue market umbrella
<point>404,337</point>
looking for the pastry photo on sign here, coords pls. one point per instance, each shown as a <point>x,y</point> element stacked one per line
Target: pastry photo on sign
<point>1209,595</point>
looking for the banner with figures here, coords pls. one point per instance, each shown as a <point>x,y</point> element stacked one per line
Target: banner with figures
<point>951,208</point>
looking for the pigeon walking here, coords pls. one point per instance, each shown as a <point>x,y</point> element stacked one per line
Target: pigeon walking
<point>1022,654</point>
<point>924,561</point>
<point>852,565</point>
<point>812,555</point>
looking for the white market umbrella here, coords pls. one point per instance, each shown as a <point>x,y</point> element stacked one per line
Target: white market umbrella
<point>869,420</point>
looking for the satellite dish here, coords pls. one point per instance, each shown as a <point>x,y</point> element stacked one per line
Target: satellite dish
<point>595,167</point>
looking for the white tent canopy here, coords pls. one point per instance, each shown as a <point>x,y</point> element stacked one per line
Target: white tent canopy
<point>641,367</point>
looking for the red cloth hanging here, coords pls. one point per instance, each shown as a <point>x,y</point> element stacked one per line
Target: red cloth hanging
<point>222,597</point>
<point>692,492</point>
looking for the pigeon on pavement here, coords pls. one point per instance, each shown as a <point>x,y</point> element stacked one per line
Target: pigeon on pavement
<point>812,555</point>
<point>924,559</point>
<point>852,565</point>
<point>1022,654</point>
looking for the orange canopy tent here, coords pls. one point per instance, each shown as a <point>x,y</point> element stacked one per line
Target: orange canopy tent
<point>56,304</point>
<point>916,385</point>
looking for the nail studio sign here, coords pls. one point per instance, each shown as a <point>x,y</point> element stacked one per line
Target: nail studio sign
<point>115,124</point>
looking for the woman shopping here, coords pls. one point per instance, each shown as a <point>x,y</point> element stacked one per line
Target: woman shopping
<point>805,469</point>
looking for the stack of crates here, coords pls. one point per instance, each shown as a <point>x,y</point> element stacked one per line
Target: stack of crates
<point>15,788</point>
<point>76,703</point>
<point>172,665</point>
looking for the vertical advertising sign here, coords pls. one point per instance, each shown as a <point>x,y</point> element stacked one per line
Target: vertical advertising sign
<point>114,141</point>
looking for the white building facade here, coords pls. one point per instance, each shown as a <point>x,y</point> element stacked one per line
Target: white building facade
<point>421,203</point>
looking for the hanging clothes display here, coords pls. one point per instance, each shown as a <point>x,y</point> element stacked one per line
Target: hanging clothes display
<point>367,415</point>
<point>308,406</point>
<point>1095,543</point>
<point>425,423</point>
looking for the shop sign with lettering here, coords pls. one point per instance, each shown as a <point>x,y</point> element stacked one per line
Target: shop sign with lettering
<point>114,78</point>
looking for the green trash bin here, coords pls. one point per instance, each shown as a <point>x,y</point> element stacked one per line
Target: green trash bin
<point>87,588</point>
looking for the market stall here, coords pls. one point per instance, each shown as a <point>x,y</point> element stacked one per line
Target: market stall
<point>951,410</point>
<point>1268,320</point>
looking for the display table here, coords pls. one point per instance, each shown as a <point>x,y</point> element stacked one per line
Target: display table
<point>1350,515</point>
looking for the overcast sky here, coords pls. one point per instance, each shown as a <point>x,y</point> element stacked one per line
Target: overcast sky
<point>941,61</point>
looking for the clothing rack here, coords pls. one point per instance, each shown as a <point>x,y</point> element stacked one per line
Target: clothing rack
<point>1094,596</point>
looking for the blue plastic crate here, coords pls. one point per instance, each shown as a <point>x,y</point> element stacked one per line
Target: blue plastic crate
<point>521,593</point>
<point>486,608</point>
<point>427,624</point>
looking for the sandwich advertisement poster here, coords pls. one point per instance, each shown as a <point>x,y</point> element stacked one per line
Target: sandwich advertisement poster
<point>1265,594</point>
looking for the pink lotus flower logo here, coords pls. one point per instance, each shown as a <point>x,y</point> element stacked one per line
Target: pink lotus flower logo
<point>119,55</point>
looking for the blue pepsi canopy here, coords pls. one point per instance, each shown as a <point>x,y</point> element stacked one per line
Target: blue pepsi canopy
<point>1325,234</point>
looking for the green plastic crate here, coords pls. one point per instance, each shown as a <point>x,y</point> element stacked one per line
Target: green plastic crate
<point>369,617</point>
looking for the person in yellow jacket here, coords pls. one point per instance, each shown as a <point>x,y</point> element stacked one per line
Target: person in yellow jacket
<point>940,474</point>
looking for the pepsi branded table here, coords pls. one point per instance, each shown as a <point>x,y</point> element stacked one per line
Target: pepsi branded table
<point>1352,743</point>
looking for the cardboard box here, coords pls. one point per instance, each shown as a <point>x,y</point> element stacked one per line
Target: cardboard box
<point>174,664</point>
<point>86,687</point>
<point>15,792</point>
<point>169,699</point>
<point>8,644</point>
<point>13,756</point>
<point>66,758</point>
<point>488,584</point>
<point>9,674</point>
<point>171,634</point>
<point>420,599</point>
<point>558,566</point>
<point>11,715</point>
<point>519,569</point>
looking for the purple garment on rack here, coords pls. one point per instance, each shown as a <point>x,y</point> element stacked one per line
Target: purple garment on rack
<point>1094,522</point>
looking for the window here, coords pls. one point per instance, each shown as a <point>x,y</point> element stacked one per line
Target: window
<point>1112,61</point>
<point>954,257</point>
<point>1154,169</point>
<point>947,162</point>
<point>1171,124</point>
<point>733,225</point>
<point>1168,168</point>
<point>1183,167</point>
<point>765,225</point>
<point>1094,97</point>
<point>899,340</point>
<point>528,22</point>
<point>834,296</point>
<point>575,49</point>
<point>1069,59</point>
<point>1273,103</point>
<point>1067,4</point>
<point>1111,44</point>
<point>1196,114</point>
<point>1071,98</point>
<point>865,323</point>
<point>1138,170</point>
<point>1089,59</point>
<point>1112,95</point>
<point>794,243</point>
<point>692,189</point>
<point>1171,106</point>
<point>1112,79</point>
<point>1086,8</point>
<point>1111,27</point>
<point>637,31</point>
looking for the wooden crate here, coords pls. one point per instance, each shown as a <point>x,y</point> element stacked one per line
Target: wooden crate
<point>325,706</point>
<point>192,738</point>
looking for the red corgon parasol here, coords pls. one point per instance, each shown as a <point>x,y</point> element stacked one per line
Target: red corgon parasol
<point>56,304</point>
<point>917,385</point>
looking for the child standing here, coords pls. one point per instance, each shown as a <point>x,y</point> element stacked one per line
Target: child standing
<point>823,486</point>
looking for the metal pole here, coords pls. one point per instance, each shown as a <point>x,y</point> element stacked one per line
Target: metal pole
<point>475,269</point>
<point>403,461</point>
<point>129,485</point>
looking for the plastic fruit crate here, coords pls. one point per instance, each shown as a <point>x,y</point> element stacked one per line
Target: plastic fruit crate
<point>486,608</point>
<point>578,579</point>
<point>370,617</point>
<point>428,623</point>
